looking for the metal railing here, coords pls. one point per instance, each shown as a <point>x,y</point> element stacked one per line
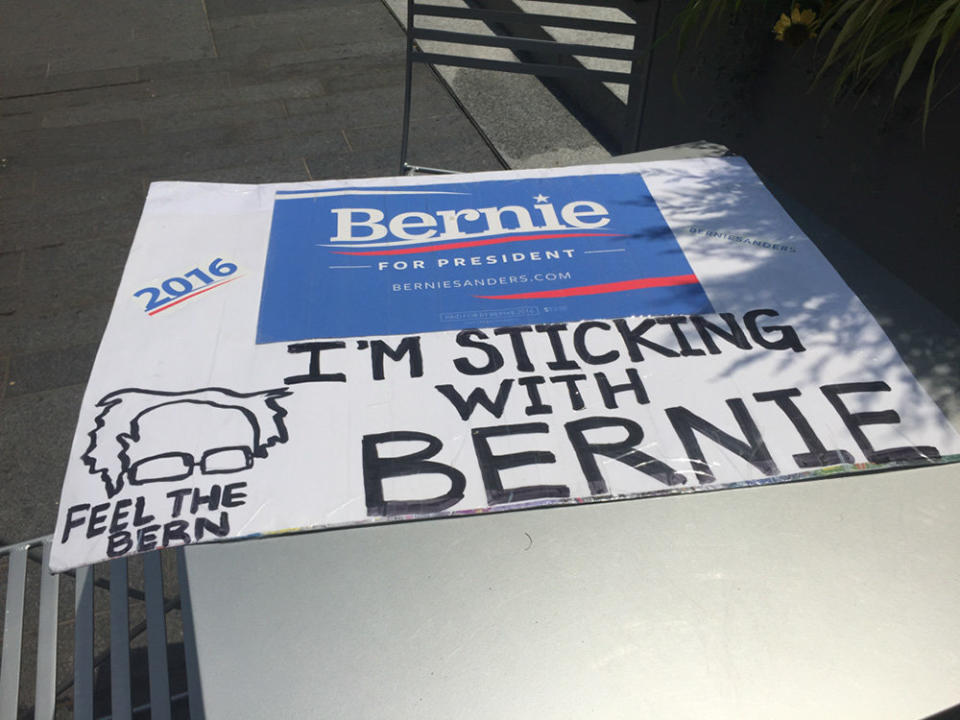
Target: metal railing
<point>109,673</point>
<point>534,51</point>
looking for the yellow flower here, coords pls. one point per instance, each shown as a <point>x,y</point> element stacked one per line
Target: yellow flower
<point>797,28</point>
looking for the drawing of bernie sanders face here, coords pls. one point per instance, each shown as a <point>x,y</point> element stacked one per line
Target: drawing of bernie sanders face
<point>148,436</point>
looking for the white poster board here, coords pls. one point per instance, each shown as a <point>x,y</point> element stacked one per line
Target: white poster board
<point>282,357</point>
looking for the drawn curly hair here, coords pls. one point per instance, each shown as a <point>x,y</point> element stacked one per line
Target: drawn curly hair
<point>117,425</point>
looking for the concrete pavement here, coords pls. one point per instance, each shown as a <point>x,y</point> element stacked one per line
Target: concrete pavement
<point>100,100</point>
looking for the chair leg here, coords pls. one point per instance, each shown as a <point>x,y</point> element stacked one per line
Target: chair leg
<point>120,698</point>
<point>46,685</point>
<point>407,91</point>
<point>419,169</point>
<point>83,645</point>
<point>640,69</point>
<point>156,638</point>
<point>12,633</point>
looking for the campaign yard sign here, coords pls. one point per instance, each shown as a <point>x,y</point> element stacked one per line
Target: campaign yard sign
<point>425,261</point>
<point>310,355</point>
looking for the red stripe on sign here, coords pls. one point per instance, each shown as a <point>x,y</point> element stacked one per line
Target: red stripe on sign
<point>193,294</point>
<point>639,284</point>
<point>472,243</point>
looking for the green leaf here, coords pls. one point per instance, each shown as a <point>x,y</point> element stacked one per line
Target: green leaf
<point>950,28</point>
<point>871,31</point>
<point>920,43</point>
<point>831,18</point>
<point>852,25</point>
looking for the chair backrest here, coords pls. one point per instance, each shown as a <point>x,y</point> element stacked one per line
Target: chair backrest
<point>37,605</point>
<point>535,51</point>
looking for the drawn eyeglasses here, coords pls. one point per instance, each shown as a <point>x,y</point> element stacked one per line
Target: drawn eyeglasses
<point>173,466</point>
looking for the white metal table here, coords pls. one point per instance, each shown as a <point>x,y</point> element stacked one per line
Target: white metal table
<point>834,598</point>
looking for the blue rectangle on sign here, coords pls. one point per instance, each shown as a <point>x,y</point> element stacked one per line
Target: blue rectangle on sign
<point>409,259</point>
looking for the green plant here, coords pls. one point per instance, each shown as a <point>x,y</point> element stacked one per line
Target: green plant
<point>865,37</point>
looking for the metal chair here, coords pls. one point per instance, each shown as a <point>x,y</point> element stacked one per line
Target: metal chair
<point>541,56</point>
<point>24,604</point>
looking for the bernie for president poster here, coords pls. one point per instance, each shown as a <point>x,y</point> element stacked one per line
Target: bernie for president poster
<point>313,355</point>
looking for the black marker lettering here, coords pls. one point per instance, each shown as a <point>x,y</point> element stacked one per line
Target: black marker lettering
<point>491,465</point>
<point>519,349</point>
<point>733,334</point>
<point>119,514</point>
<point>580,344</point>
<point>788,340</point>
<point>494,358</point>
<point>175,530</point>
<point>178,497</point>
<point>560,361</point>
<point>203,525</point>
<point>119,543</point>
<point>675,321</point>
<point>376,469</point>
<point>97,524</point>
<point>576,399</point>
<point>817,454</point>
<point>609,392</point>
<point>314,374</point>
<point>477,396</point>
<point>212,501</point>
<point>409,345</point>
<point>74,522</point>
<point>752,449</point>
<point>536,406</point>
<point>139,515</point>
<point>232,495</point>
<point>633,337</point>
<point>624,451</point>
<point>147,538</point>
<point>854,421</point>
